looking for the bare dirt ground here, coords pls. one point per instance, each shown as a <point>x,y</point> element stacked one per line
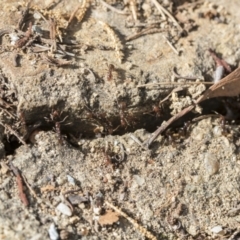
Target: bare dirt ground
<point>78,99</point>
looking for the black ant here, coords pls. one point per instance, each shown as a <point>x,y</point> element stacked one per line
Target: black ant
<point>55,117</point>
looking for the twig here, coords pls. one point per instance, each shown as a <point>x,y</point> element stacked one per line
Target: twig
<point>52,29</point>
<point>140,228</point>
<point>19,180</point>
<point>57,62</point>
<point>122,155</point>
<point>234,234</point>
<point>149,30</point>
<point>205,116</point>
<point>135,139</point>
<point>72,16</point>
<point>29,43</point>
<point>159,8</point>
<point>171,46</point>
<point>162,9</point>
<point>133,9</point>
<point>177,76</point>
<point>221,66</point>
<point>112,8</point>
<point>219,61</point>
<point>6,126</point>
<point>161,129</point>
<point>178,89</point>
<point>173,83</point>
<point>29,187</point>
<point>22,41</point>
<point>23,17</point>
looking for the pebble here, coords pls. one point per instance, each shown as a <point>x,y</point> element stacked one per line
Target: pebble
<point>64,209</point>
<point>197,134</point>
<point>217,229</point>
<point>193,230</point>
<point>52,231</point>
<point>71,180</point>
<point>139,180</point>
<point>217,131</point>
<point>211,164</point>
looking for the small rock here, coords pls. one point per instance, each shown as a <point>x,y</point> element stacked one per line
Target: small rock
<point>52,231</point>
<point>193,230</point>
<point>64,209</point>
<point>217,131</point>
<point>139,180</point>
<point>71,180</point>
<point>211,164</point>
<point>217,229</point>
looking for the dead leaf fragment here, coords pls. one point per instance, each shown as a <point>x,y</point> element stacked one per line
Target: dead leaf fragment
<point>108,218</point>
<point>227,87</point>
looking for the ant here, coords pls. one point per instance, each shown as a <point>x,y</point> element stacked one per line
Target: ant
<point>55,117</point>
<point>155,109</point>
<point>175,137</point>
<point>126,119</point>
<point>101,119</point>
<point>122,113</point>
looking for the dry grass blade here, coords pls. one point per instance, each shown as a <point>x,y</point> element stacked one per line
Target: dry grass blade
<point>23,17</point>
<point>57,62</point>
<point>227,87</point>
<point>72,16</point>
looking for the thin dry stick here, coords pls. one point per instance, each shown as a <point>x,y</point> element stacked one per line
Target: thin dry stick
<point>6,126</point>
<point>234,234</point>
<point>29,187</point>
<point>149,30</point>
<point>171,46</point>
<point>173,83</point>
<point>162,9</point>
<point>52,29</point>
<point>19,180</point>
<point>112,8</point>
<point>178,89</point>
<point>158,6</point>
<point>82,11</point>
<point>141,229</point>
<point>72,16</point>
<point>177,76</point>
<point>161,129</point>
<point>23,17</point>
<point>133,9</point>
<point>134,138</point>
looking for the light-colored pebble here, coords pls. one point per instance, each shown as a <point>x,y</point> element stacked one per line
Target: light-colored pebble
<point>71,180</point>
<point>139,180</point>
<point>217,131</point>
<point>217,229</point>
<point>211,164</point>
<point>64,209</point>
<point>53,233</point>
